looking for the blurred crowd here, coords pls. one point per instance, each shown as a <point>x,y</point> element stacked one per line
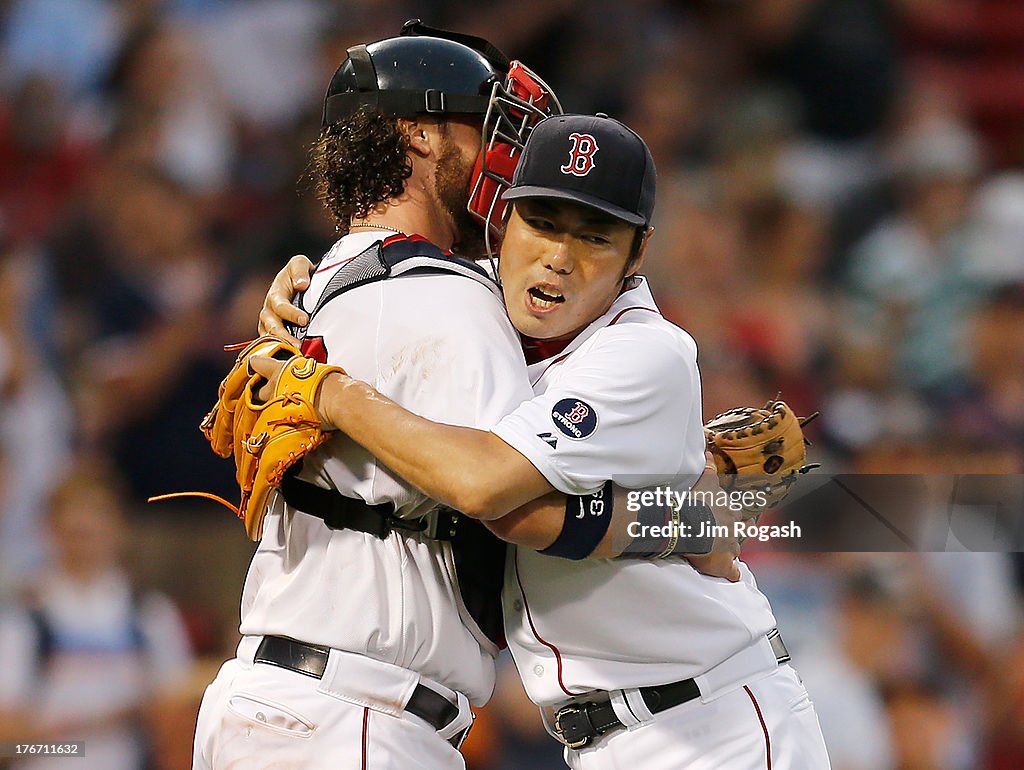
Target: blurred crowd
<point>840,218</point>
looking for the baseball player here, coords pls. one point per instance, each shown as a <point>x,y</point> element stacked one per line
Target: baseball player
<point>359,649</point>
<point>641,663</point>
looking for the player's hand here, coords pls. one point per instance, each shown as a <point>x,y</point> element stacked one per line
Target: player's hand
<point>721,562</point>
<point>277,306</point>
<point>270,369</point>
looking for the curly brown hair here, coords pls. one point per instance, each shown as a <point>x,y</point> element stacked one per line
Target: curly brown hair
<point>357,163</point>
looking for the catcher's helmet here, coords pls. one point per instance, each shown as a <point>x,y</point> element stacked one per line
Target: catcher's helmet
<point>423,70</point>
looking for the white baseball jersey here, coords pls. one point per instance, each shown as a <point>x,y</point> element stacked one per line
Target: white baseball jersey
<point>441,346</point>
<point>621,402</point>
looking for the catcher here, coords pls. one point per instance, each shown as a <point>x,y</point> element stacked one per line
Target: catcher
<point>632,661</point>
<point>359,648</point>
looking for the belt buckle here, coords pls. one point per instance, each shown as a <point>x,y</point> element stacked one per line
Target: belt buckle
<point>579,731</point>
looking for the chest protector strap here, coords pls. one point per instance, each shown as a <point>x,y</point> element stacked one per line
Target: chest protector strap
<point>395,256</point>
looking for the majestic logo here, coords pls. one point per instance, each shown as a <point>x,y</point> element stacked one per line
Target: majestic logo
<point>581,155</point>
<point>575,418</point>
<point>548,439</point>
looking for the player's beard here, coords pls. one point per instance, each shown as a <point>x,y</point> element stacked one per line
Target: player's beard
<point>451,184</point>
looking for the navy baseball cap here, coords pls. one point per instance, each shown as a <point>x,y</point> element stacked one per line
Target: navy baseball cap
<point>592,160</point>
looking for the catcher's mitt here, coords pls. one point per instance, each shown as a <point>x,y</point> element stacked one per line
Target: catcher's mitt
<point>759,450</point>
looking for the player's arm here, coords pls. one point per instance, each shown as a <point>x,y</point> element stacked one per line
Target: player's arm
<point>548,442</point>
<point>540,523</point>
<point>535,524</point>
<point>470,470</point>
<point>476,472</point>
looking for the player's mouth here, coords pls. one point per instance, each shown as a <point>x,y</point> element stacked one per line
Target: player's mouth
<point>543,298</point>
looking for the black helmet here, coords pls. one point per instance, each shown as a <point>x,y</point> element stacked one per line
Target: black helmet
<point>423,70</point>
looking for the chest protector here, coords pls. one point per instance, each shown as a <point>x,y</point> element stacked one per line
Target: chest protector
<point>478,555</point>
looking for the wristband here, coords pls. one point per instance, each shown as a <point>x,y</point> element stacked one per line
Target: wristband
<point>587,518</point>
<point>686,530</point>
<point>698,519</point>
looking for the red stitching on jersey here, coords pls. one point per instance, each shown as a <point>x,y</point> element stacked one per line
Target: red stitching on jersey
<point>415,238</point>
<point>767,740</point>
<point>529,617</point>
<point>397,238</point>
<point>541,350</point>
<point>636,307</point>
<point>334,265</point>
<point>366,725</point>
<point>560,358</point>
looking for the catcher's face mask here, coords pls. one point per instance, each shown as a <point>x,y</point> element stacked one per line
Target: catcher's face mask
<point>516,106</point>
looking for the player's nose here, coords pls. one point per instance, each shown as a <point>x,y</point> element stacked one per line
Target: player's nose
<point>558,256</point>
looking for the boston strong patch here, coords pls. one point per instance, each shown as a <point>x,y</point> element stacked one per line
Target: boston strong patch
<point>574,418</point>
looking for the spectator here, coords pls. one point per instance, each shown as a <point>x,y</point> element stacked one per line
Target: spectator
<point>86,649</point>
<point>43,162</point>
<point>990,408</point>
<point>158,307</point>
<point>927,734</point>
<point>70,40</point>
<point>843,678</point>
<point>35,418</point>
<point>910,282</point>
<point>161,79</point>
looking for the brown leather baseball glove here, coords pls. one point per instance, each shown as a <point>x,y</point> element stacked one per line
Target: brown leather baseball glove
<point>761,451</point>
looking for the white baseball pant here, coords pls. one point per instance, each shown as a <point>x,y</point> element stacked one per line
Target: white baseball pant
<point>262,717</point>
<point>767,724</point>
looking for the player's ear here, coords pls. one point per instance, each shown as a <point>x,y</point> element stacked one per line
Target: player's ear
<point>636,260</point>
<point>420,136</point>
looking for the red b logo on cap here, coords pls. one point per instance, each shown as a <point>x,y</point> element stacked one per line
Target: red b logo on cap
<point>581,155</point>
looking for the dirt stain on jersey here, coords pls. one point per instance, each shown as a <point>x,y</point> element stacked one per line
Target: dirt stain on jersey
<point>424,357</point>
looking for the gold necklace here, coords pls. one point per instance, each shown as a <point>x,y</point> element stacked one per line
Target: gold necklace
<point>376,227</point>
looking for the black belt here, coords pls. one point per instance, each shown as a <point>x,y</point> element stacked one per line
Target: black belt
<point>340,512</point>
<point>579,723</point>
<point>430,706</point>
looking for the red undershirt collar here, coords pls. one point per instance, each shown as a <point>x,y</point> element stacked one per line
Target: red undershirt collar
<point>541,350</point>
